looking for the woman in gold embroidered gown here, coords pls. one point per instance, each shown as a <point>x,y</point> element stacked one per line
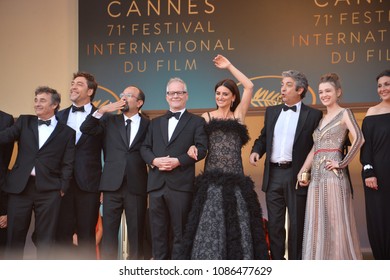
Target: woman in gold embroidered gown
<point>330,229</point>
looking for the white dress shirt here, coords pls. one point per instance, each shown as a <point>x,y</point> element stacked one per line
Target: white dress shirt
<point>172,123</point>
<point>284,134</point>
<point>135,123</point>
<point>44,131</point>
<point>75,119</point>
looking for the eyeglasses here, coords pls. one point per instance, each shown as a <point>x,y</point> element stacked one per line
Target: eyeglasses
<point>127,95</point>
<point>178,93</point>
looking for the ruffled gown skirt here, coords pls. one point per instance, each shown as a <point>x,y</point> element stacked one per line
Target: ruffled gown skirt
<point>226,220</point>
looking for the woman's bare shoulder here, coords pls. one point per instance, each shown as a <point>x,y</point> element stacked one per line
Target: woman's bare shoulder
<point>377,110</point>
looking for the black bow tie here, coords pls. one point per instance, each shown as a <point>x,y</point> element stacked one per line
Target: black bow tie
<point>48,122</point>
<point>294,108</point>
<point>171,114</point>
<point>77,109</point>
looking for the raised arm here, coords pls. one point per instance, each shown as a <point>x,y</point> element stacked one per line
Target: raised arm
<point>241,110</point>
<point>111,107</point>
<point>94,124</point>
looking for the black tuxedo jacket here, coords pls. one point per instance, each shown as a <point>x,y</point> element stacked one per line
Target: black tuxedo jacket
<point>303,141</point>
<point>119,160</point>
<point>6,120</point>
<point>88,157</point>
<point>189,131</point>
<point>53,161</point>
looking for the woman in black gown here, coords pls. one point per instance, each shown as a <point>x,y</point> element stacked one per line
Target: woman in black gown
<point>226,217</point>
<point>375,158</point>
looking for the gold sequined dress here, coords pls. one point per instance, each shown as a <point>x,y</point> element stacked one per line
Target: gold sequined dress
<point>330,229</point>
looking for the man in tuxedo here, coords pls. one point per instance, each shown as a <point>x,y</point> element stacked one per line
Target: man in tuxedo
<point>6,120</point>
<point>286,138</point>
<point>172,171</point>
<point>40,175</point>
<point>124,177</point>
<point>80,205</point>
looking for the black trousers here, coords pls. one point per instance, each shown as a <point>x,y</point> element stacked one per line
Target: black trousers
<point>3,241</point>
<point>78,215</point>
<point>168,210</point>
<point>135,208</point>
<point>281,197</point>
<point>46,206</point>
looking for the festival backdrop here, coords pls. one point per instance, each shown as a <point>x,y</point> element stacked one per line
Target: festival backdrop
<point>146,42</point>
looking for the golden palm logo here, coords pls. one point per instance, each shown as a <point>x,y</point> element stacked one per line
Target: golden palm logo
<point>104,96</point>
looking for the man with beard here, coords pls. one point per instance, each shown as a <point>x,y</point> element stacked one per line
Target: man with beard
<point>80,205</point>
<point>124,177</point>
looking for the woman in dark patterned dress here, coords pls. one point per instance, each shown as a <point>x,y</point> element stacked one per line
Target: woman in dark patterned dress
<point>226,217</point>
<point>375,158</point>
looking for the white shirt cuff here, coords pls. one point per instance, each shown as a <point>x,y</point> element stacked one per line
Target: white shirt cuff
<point>97,115</point>
<point>367,166</point>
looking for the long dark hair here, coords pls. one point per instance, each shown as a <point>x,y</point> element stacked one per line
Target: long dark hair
<point>232,86</point>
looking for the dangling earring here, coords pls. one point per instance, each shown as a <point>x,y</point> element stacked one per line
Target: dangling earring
<point>231,105</point>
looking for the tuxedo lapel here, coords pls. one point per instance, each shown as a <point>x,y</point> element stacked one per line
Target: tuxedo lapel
<point>34,127</point>
<point>83,136</point>
<point>180,125</point>
<point>301,121</point>
<point>164,129</point>
<point>63,116</point>
<point>142,127</point>
<point>119,122</point>
<point>274,118</point>
<point>59,127</point>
